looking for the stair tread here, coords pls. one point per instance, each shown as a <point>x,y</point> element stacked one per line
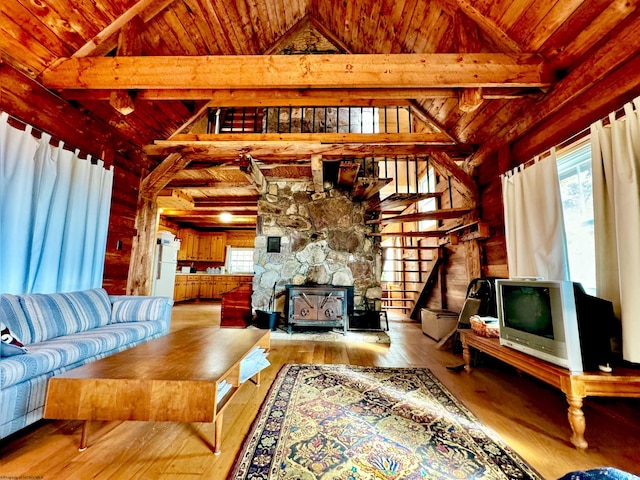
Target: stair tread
<point>396,200</point>
<point>426,247</point>
<point>426,234</point>
<point>441,214</point>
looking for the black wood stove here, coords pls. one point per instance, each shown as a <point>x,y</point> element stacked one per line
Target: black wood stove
<point>318,306</point>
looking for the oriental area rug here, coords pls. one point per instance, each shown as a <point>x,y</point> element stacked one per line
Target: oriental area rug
<point>339,422</point>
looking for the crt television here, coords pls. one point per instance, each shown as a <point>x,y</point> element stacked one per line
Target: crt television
<point>555,321</point>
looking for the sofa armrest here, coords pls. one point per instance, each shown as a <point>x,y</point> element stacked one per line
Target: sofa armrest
<point>134,304</point>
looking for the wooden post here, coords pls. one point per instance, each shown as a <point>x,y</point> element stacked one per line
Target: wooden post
<point>128,44</point>
<point>473,259</point>
<point>316,171</point>
<point>139,281</point>
<point>468,42</point>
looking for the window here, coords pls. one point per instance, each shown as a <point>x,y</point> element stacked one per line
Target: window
<point>428,204</point>
<point>240,260</point>
<point>574,175</point>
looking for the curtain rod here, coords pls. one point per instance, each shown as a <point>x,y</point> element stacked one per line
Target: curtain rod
<point>573,139</point>
<point>37,133</point>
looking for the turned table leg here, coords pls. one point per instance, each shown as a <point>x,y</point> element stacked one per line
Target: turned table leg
<point>466,354</point>
<point>577,421</point>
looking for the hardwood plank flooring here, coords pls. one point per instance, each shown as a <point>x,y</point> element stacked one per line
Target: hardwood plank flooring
<point>529,415</point>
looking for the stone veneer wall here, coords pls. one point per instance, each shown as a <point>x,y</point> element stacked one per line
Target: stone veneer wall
<point>323,241</point>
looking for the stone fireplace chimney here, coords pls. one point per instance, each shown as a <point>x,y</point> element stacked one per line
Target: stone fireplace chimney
<point>322,240</point>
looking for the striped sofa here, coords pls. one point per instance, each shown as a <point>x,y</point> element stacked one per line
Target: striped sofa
<point>61,331</point>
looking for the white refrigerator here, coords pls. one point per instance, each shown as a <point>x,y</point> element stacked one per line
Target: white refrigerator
<point>164,270</point>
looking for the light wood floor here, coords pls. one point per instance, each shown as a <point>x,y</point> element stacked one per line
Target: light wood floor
<point>528,415</point>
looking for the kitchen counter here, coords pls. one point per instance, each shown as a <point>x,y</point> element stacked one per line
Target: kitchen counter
<point>203,285</point>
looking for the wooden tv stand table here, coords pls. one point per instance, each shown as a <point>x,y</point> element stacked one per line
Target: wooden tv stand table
<point>173,378</point>
<point>621,383</point>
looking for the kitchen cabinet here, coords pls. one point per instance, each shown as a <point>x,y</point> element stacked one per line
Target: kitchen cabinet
<point>206,286</point>
<point>205,247</point>
<point>189,244</point>
<point>212,247</point>
<point>179,290</point>
<point>219,247</point>
<point>193,287</point>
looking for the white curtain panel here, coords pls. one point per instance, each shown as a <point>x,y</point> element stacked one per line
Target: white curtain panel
<point>54,215</point>
<point>534,226</point>
<point>616,197</point>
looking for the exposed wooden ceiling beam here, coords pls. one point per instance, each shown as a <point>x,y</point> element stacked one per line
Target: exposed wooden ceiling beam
<point>424,116</point>
<point>374,138</point>
<point>199,213</point>
<point>464,183</point>
<point>206,185</point>
<point>251,170</point>
<point>610,57</point>
<point>331,97</point>
<point>295,151</point>
<point>362,97</point>
<point>437,70</point>
<point>146,9</point>
<point>153,183</point>
<point>503,41</point>
<point>302,145</point>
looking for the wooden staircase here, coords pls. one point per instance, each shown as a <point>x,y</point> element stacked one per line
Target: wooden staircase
<point>418,277</point>
<point>416,274</point>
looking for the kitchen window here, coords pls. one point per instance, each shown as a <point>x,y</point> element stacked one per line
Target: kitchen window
<point>239,260</point>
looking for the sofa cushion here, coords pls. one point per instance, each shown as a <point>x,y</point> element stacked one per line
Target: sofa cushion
<point>13,316</point>
<point>55,314</point>
<point>9,344</point>
<point>68,350</point>
<point>135,309</point>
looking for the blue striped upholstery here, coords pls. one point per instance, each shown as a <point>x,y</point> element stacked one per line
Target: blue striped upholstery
<point>136,310</point>
<point>70,349</point>
<point>85,315</point>
<point>55,314</point>
<point>13,317</point>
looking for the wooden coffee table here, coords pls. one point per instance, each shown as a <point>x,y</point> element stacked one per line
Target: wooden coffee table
<point>173,378</point>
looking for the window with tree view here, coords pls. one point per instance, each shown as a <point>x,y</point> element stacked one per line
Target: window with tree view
<point>574,175</point>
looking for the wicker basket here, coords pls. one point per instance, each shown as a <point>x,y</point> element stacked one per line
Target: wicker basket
<point>483,329</point>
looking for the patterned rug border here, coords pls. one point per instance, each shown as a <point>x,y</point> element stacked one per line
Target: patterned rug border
<point>243,458</point>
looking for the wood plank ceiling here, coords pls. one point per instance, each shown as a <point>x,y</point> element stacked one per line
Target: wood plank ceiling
<point>515,64</point>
